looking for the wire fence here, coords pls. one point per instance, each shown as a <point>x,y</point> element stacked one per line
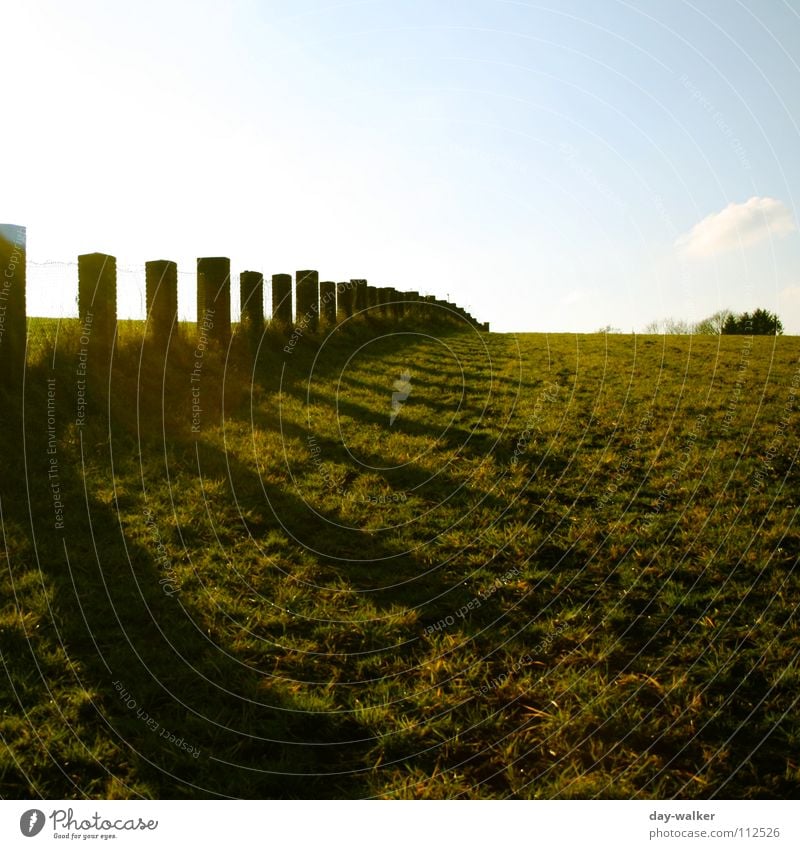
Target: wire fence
<point>52,291</point>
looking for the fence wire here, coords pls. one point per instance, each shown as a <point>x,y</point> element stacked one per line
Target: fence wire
<point>52,291</point>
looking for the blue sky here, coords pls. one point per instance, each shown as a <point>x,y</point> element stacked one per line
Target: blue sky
<point>555,167</point>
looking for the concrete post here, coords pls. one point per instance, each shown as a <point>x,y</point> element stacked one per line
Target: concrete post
<point>344,300</point>
<point>398,307</point>
<point>327,300</point>
<point>282,299</point>
<point>306,290</point>
<point>392,304</point>
<point>214,297</point>
<point>161,285</point>
<point>384,298</point>
<point>97,300</point>
<point>359,295</point>
<point>13,262</point>
<point>251,300</point>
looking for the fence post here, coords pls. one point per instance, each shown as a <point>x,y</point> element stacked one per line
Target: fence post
<point>398,304</point>
<point>403,307</point>
<point>13,261</point>
<point>251,300</point>
<point>344,300</point>
<point>392,306</point>
<point>214,296</point>
<point>161,286</point>
<point>327,300</point>
<point>384,299</point>
<point>282,300</point>
<point>97,300</point>
<point>359,295</point>
<point>306,290</point>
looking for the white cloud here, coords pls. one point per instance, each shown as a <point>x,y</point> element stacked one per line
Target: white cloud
<point>739,225</point>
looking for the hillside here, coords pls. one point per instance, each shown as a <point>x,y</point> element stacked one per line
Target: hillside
<point>418,563</point>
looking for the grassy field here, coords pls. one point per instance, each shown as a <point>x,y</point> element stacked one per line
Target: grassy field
<point>567,569</point>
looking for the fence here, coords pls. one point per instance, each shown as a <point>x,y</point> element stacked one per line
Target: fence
<point>315,302</point>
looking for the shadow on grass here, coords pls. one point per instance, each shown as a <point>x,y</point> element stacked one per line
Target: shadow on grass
<point>168,708</point>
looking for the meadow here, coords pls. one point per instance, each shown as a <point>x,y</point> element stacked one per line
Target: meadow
<point>566,568</point>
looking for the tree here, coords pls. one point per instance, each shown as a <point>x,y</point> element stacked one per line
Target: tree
<point>670,326</point>
<point>677,326</point>
<point>714,324</point>
<point>739,325</point>
<point>766,323</point>
<point>760,323</point>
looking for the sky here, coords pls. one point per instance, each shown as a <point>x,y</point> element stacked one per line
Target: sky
<point>558,166</point>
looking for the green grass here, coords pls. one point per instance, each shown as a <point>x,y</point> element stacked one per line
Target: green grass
<point>567,570</point>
